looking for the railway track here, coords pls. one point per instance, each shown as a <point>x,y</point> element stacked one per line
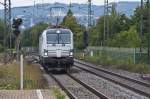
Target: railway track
<point>77,89</point>
<point>137,86</point>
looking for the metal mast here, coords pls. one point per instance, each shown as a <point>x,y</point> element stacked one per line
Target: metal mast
<point>7,21</point>
<point>56,12</point>
<point>148,7</point>
<point>34,12</point>
<point>70,6</point>
<point>89,14</point>
<point>141,26</point>
<point>106,20</point>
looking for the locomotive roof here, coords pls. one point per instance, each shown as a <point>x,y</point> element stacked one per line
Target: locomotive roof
<point>58,29</point>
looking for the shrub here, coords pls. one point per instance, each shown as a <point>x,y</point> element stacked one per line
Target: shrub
<point>1,48</point>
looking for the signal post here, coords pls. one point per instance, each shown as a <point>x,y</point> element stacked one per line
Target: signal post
<point>16,31</point>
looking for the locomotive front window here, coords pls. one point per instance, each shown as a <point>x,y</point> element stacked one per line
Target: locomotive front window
<point>52,38</point>
<point>64,38</point>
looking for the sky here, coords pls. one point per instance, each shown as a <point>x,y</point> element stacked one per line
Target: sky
<point>16,3</point>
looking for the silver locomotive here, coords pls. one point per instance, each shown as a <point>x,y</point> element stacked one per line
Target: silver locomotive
<point>56,48</point>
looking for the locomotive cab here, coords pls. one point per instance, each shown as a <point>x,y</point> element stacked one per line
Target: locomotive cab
<point>56,48</point>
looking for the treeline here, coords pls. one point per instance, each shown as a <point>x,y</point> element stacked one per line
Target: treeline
<point>123,31</point>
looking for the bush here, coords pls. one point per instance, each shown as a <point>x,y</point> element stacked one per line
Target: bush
<point>1,48</point>
<point>128,39</point>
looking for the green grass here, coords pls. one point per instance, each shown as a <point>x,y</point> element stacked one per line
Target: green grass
<point>58,93</point>
<point>10,77</point>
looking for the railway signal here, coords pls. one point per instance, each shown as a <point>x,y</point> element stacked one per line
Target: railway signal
<point>85,39</point>
<point>16,24</point>
<point>16,31</point>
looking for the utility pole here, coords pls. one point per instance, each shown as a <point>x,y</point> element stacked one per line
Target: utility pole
<point>141,25</point>
<point>89,21</point>
<point>7,22</point>
<point>89,14</point>
<point>148,8</point>
<point>70,6</point>
<point>21,72</point>
<point>106,20</point>
<point>43,7</point>
<point>33,12</point>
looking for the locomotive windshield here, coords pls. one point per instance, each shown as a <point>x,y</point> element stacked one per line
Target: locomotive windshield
<point>52,38</point>
<point>58,38</point>
<point>64,38</point>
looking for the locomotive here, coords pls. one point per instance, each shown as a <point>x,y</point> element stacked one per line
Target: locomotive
<point>56,48</point>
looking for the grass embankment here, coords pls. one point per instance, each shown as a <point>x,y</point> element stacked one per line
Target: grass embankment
<point>110,62</point>
<point>10,76</point>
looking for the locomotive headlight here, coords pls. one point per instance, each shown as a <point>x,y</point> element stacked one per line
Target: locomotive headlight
<point>71,53</point>
<point>45,53</point>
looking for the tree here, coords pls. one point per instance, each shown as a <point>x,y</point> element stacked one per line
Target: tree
<point>1,31</point>
<point>70,22</point>
<point>26,38</point>
<point>96,35</point>
<point>128,39</point>
<point>117,23</point>
<point>1,34</point>
<point>136,20</point>
<point>30,36</point>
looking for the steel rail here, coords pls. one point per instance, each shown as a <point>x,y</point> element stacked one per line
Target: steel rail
<point>70,94</point>
<point>112,73</point>
<point>93,90</point>
<point>93,71</point>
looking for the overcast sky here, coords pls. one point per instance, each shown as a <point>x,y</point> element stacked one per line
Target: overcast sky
<point>31,2</point>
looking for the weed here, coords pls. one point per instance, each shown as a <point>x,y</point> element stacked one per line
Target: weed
<point>10,77</point>
<point>58,93</point>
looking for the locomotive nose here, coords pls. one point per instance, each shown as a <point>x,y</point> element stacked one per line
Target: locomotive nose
<point>58,53</point>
